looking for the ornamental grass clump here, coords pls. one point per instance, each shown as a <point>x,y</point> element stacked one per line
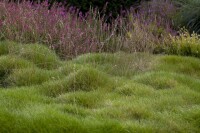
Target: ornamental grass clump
<point>66,30</point>
<point>188,15</point>
<point>150,27</point>
<point>185,44</point>
<point>70,32</point>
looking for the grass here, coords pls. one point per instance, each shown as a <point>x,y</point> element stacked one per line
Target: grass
<point>97,92</point>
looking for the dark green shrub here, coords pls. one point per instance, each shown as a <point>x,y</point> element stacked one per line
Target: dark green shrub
<point>188,15</point>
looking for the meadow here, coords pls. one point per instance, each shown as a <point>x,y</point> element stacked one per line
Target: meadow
<point>63,71</point>
<point>97,92</point>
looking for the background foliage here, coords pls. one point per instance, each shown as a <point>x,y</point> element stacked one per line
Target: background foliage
<point>188,15</point>
<point>110,8</point>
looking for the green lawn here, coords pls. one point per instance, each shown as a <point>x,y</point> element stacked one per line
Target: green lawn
<point>97,93</point>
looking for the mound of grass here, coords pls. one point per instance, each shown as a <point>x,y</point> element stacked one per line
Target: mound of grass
<point>97,92</point>
<point>86,79</point>
<point>54,88</point>
<point>157,80</point>
<point>4,48</point>
<point>70,67</point>
<point>86,99</point>
<point>9,63</point>
<point>39,54</point>
<point>31,76</point>
<point>89,79</point>
<point>182,65</point>
<point>193,116</point>
<point>134,88</point>
<point>12,62</point>
<point>118,64</point>
<point>7,47</point>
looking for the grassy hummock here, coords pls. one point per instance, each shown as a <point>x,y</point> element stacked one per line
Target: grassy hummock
<point>97,93</point>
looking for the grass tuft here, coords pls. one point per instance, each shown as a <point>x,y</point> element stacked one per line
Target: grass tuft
<point>157,80</point>
<point>31,76</point>
<point>88,79</point>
